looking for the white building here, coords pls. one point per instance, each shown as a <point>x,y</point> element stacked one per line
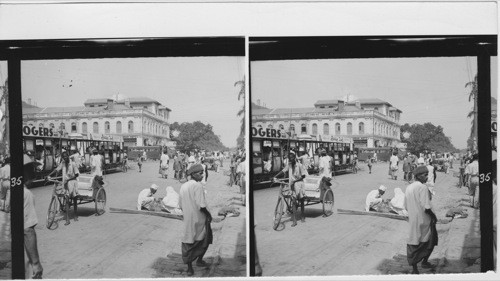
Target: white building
<point>140,121</point>
<point>368,122</point>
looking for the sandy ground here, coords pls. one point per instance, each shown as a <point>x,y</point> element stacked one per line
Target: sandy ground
<point>355,244</point>
<point>116,245</point>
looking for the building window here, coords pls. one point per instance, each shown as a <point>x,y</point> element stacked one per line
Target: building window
<point>315,129</point>
<point>303,129</point>
<point>52,126</point>
<point>349,128</point>
<point>62,126</point>
<point>282,127</point>
<point>96,128</point>
<point>106,127</point>
<point>326,129</point>
<point>118,127</point>
<point>130,126</point>
<point>73,127</point>
<point>361,128</point>
<point>337,128</point>
<point>292,128</point>
<point>84,128</point>
<point>376,109</point>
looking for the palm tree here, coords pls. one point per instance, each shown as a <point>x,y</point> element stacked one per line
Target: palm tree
<point>473,113</point>
<point>241,112</point>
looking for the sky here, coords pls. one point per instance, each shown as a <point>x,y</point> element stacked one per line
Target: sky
<point>424,89</point>
<point>194,88</point>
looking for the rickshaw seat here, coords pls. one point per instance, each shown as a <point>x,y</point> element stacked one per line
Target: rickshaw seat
<point>85,185</point>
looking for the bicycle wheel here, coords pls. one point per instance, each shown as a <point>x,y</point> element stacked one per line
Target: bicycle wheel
<point>328,201</point>
<point>100,202</point>
<point>278,213</point>
<point>51,214</point>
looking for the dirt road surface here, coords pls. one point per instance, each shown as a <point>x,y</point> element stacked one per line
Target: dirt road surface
<point>116,245</point>
<point>344,244</point>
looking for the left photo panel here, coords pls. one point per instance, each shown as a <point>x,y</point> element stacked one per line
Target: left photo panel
<point>132,158</point>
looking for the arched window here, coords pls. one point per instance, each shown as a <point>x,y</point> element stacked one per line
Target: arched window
<point>315,129</point>
<point>130,126</point>
<point>62,126</point>
<point>361,128</point>
<point>337,128</point>
<point>326,129</point>
<point>96,128</point>
<point>303,129</point>
<point>118,127</point>
<point>270,126</point>
<point>376,109</point>
<point>73,127</point>
<point>106,127</point>
<point>84,127</point>
<point>349,128</point>
<point>292,128</point>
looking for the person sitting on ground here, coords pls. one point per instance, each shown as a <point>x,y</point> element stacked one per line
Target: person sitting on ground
<point>145,200</point>
<point>397,203</point>
<point>374,198</point>
<point>170,203</point>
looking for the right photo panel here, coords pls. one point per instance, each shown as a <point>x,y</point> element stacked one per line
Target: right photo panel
<point>364,155</point>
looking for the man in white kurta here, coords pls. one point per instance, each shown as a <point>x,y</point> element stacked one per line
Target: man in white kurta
<point>197,234</point>
<point>325,164</point>
<point>96,163</point>
<point>422,233</point>
<point>374,198</point>
<point>146,199</point>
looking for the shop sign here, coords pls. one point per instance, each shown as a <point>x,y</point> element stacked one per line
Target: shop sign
<point>37,131</point>
<point>268,133</point>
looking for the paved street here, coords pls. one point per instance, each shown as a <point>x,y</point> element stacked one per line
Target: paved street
<point>117,245</point>
<point>344,244</point>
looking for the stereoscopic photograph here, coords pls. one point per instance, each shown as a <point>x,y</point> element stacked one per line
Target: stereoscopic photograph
<point>364,155</point>
<point>132,158</point>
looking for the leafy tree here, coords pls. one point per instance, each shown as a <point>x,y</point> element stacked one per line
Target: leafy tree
<point>241,113</point>
<point>471,143</point>
<point>195,136</point>
<point>426,137</point>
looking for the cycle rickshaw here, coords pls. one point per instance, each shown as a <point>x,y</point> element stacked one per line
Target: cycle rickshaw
<point>90,189</point>
<point>317,189</point>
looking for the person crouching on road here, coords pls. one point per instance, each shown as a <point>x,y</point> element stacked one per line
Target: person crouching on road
<point>296,175</point>
<point>170,203</point>
<point>197,234</point>
<point>374,198</point>
<point>422,221</point>
<point>146,200</point>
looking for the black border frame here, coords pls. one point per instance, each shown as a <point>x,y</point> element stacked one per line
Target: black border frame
<point>14,51</point>
<point>342,47</point>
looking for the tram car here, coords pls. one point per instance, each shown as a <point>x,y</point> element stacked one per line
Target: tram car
<point>45,146</point>
<point>269,152</point>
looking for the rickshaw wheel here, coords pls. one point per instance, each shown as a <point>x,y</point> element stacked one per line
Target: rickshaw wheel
<point>51,214</point>
<point>278,212</point>
<point>328,201</point>
<point>100,201</point>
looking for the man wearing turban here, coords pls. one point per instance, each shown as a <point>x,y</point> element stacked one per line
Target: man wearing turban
<point>197,234</point>
<point>422,221</point>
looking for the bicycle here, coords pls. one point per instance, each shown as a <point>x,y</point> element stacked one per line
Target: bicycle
<point>286,196</point>
<point>59,203</point>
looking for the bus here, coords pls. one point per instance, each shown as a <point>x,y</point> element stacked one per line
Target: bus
<point>383,153</point>
<point>44,145</point>
<point>270,148</point>
<point>152,152</point>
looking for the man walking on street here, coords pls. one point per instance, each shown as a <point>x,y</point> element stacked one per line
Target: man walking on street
<point>197,235</point>
<point>472,172</point>
<point>422,221</point>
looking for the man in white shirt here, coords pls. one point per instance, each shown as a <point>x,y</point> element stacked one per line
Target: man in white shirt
<point>325,164</point>
<point>393,166</point>
<point>146,199</point>
<point>472,172</point>
<point>374,198</point>
<point>164,159</point>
